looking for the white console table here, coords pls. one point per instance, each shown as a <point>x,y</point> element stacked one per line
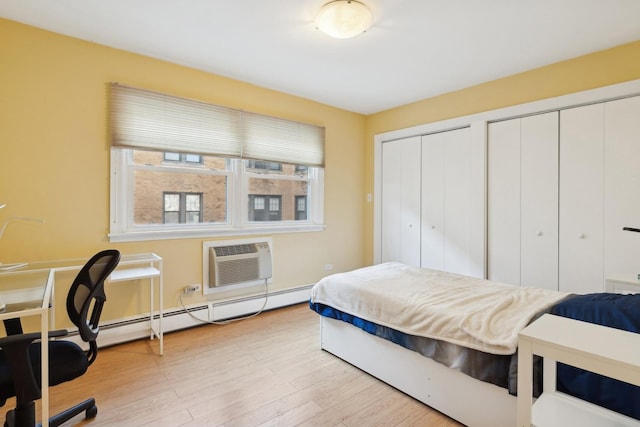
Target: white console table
<point>144,266</point>
<point>600,349</point>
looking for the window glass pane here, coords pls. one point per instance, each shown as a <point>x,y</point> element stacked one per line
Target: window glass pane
<point>192,158</point>
<point>192,217</point>
<point>302,203</point>
<point>172,217</point>
<point>258,203</point>
<point>193,202</point>
<point>301,208</point>
<point>155,158</point>
<point>194,195</point>
<point>301,170</point>
<point>172,202</point>
<point>163,188</point>
<point>174,157</point>
<point>282,195</point>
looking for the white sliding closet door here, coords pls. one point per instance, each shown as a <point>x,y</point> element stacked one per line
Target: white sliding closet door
<point>433,190</point>
<point>503,202</point>
<point>582,199</point>
<point>522,201</point>
<point>400,217</point>
<point>457,202</point>
<point>539,201</point>
<point>622,186</point>
<point>446,210</point>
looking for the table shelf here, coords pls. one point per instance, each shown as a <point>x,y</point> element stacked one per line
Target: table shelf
<point>126,274</point>
<point>607,351</point>
<point>556,409</point>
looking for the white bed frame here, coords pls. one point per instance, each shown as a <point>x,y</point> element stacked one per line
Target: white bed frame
<point>461,397</point>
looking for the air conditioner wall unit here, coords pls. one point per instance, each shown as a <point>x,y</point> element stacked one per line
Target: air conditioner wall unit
<point>236,263</point>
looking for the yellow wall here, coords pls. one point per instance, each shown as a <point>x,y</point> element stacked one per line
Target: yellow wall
<point>602,68</point>
<point>54,160</point>
<point>54,155</point>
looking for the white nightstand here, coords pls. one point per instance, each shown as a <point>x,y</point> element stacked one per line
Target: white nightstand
<point>622,283</point>
<point>600,349</point>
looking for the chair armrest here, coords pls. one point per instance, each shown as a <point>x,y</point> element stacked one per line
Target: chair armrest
<point>21,338</point>
<point>58,333</point>
<point>30,337</point>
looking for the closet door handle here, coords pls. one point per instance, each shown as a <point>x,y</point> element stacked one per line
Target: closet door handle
<point>539,233</point>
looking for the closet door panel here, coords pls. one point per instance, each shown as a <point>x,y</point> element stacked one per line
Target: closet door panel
<point>457,206</point>
<point>503,201</point>
<point>539,201</point>
<point>400,219</point>
<point>622,186</point>
<point>581,199</point>
<point>433,197</point>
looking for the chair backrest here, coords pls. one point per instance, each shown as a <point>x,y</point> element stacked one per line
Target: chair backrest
<point>86,295</point>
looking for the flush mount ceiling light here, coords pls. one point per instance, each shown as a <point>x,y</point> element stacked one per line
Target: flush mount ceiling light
<point>343,19</point>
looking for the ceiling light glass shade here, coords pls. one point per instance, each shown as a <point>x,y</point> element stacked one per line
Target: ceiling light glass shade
<point>343,19</point>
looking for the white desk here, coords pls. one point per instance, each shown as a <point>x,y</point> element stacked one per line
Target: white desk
<point>600,349</point>
<point>28,293</point>
<point>131,267</point>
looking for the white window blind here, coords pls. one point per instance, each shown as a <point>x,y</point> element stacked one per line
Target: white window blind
<point>151,120</point>
<point>270,138</point>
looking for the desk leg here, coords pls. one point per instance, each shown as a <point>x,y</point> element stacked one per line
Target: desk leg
<point>151,308</point>
<point>156,332</point>
<point>44,330</point>
<point>160,299</point>
<point>525,382</point>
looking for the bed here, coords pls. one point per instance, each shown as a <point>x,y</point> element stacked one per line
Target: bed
<point>450,341</point>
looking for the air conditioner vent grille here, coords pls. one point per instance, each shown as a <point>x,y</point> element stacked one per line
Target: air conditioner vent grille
<point>235,249</point>
<point>237,270</point>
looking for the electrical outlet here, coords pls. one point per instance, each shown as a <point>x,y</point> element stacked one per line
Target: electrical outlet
<point>189,289</point>
<point>328,267</point>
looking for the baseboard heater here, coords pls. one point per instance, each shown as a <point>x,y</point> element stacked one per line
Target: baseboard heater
<point>123,330</point>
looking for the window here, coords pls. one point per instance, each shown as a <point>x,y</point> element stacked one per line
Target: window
<point>258,165</point>
<point>182,208</point>
<point>182,178</point>
<point>265,208</point>
<point>186,158</point>
<point>301,207</point>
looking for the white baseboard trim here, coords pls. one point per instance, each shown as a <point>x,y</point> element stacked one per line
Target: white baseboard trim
<point>117,332</point>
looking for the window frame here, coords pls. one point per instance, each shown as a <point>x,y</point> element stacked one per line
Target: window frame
<point>123,228</point>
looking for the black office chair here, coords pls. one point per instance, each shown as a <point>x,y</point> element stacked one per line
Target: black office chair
<point>20,365</point>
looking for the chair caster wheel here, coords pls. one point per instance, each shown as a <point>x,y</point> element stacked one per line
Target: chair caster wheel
<point>92,412</point>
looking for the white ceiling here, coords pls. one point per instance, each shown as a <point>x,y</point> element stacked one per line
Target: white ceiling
<point>415,49</point>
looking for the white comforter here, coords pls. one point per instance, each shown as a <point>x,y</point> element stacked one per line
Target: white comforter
<point>474,313</point>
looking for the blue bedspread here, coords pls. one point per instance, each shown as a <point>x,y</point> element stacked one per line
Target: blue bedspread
<point>616,311</point>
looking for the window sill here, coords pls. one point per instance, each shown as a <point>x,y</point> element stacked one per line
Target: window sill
<point>146,235</point>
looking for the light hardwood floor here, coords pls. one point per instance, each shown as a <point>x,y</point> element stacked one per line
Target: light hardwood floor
<point>264,371</point>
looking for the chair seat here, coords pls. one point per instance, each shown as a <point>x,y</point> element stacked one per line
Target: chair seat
<point>66,362</point>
